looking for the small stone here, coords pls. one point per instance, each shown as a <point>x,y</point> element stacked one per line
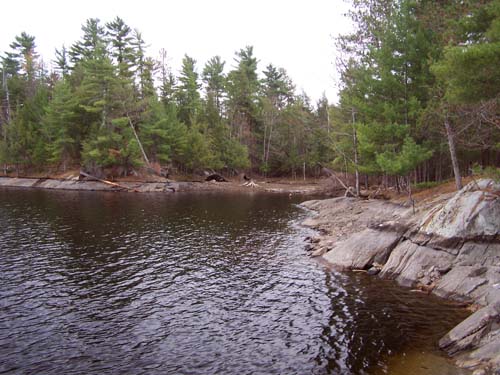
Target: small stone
<point>372,271</point>
<point>319,252</point>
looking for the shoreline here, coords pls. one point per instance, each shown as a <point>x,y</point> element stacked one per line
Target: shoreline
<point>429,250</point>
<point>166,186</point>
<point>449,247</point>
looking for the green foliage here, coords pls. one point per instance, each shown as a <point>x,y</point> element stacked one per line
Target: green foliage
<point>120,40</point>
<point>242,89</point>
<point>215,82</point>
<point>488,172</point>
<point>377,139</point>
<point>187,94</point>
<point>60,127</point>
<point>198,153</point>
<point>414,64</point>
<point>163,136</point>
<point>110,148</point>
<point>427,185</point>
<point>92,42</point>
<point>229,152</point>
<point>403,162</point>
<point>469,70</point>
<point>407,66</point>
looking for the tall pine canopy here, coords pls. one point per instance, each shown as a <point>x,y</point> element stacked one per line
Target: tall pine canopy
<point>418,102</point>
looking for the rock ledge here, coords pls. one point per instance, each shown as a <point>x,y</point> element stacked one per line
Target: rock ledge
<point>450,247</point>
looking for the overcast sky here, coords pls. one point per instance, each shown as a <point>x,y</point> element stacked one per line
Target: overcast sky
<point>295,35</point>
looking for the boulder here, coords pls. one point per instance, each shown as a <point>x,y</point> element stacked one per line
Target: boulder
<point>471,214</point>
<point>361,250</point>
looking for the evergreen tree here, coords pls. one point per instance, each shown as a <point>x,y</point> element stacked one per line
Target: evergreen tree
<point>93,42</point>
<point>121,48</point>
<point>187,94</point>
<point>242,87</point>
<point>61,61</point>
<point>64,136</point>
<point>167,78</point>
<point>163,136</point>
<point>215,83</point>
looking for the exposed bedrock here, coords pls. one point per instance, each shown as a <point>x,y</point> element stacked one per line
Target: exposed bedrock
<point>450,247</point>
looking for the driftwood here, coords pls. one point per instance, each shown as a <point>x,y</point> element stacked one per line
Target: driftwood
<point>114,184</point>
<point>250,184</point>
<point>349,191</point>
<point>375,193</point>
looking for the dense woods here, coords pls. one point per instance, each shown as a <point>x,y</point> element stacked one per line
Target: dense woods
<point>111,108</point>
<point>418,102</point>
<point>420,90</point>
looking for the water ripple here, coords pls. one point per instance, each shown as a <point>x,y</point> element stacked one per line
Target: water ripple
<point>110,283</point>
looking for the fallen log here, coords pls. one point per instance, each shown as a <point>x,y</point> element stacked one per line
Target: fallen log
<point>349,191</point>
<point>114,184</point>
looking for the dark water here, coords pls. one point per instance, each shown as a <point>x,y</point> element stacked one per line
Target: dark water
<point>102,283</point>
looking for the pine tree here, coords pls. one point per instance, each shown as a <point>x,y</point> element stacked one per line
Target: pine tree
<point>243,86</point>
<point>187,94</point>
<point>277,89</point>
<point>64,136</point>
<point>215,83</point>
<point>120,40</point>
<point>168,82</point>
<point>93,42</point>
<point>61,61</point>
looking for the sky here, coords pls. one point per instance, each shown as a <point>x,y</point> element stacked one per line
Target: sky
<point>295,35</point>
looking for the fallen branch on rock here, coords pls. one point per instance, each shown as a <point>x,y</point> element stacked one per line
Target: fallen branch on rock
<point>250,184</point>
<point>114,184</point>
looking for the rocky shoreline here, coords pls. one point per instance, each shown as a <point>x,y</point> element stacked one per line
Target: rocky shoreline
<point>449,246</point>
<point>166,186</point>
<point>90,185</point>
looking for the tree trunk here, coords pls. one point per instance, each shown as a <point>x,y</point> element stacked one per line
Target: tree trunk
<point>355,144</point>
<point>409,194</point>
<point>144,156</point>
<point>453,153</point>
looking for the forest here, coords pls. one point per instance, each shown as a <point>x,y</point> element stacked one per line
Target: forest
<point>418,103</point>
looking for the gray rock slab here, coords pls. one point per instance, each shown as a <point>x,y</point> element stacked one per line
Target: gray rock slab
<point>471,330</point>
<point>18,182</point>
<point>471,213</point>
<point>409,262</point>
<point>362,249</point>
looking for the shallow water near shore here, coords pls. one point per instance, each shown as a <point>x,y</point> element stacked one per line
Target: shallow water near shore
<point>194,284</point>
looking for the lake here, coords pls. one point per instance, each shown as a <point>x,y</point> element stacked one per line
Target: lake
<point>122,283</point>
